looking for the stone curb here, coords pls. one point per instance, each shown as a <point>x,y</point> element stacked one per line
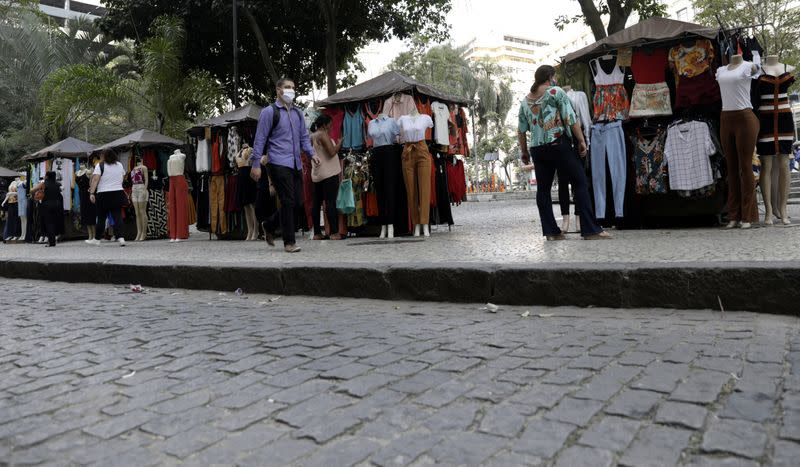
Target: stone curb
<point>773,288</point>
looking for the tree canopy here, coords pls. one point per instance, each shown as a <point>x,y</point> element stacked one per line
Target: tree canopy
<point>280,37</point>
<point>593,13</point>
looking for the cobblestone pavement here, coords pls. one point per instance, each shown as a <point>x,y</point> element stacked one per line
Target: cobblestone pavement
<point>98,375</point>
<point>494,232</point>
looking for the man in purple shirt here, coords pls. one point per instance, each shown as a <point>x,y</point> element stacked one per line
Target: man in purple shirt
<point>279,150</point>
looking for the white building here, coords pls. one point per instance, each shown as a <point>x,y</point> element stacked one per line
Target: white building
<point>61,10</point>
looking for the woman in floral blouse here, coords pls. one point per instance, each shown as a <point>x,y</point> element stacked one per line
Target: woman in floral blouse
<point>547,113</point>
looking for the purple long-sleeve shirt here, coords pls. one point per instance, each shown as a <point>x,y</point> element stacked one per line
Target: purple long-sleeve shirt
<point>285,141</point>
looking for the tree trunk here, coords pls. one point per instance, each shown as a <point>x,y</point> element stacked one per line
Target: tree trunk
<point>593,19</point>
<point>329,11</point>
<point>262,45</point>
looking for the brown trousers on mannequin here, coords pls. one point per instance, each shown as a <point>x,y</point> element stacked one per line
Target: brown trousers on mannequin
<point>417,162</point>
<point>217,202</point>
<point>177,208</point>
<point>738,133</point>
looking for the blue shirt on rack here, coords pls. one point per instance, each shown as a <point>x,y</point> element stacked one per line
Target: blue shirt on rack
<point>353,129</point>
<point>383,131</point>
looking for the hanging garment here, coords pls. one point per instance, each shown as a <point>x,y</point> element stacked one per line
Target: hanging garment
<point>247,187</point>
<point>424,108</point>
<point>149,158</point>
<point>650,100</point>
<point>608,143</point>
<point>441,120</point>
<point>650,164</point>
<point>398,105</point>
<point>357,218</point>
<point>443,210</point>
<point>372,110</point>
<point>232,194</point>
<point>387,172</point>
<point>337,115</point>
<point>650,66</point>
<point>67,173</point>
<point>383,131</point>
<point>776,135</point>
<point>234,145</point>
<point>463,130</point>
<point>219,222</point>
<point>88,209</point>
<point>178,208</point>
<point>698,91</point>
<point>417,177</point>
<point>203,157</point>
<point>157,226</point>
<point>691,61</point>
<point>580,103</point>
<point>457,182</point>
<point>610,97</point>
<point>202,201</point>
<point>687,150</point>
<point>353,129</point>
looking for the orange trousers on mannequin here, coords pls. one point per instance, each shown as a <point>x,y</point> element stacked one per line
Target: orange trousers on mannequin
<point>177,208</point>
<point>417,162</point>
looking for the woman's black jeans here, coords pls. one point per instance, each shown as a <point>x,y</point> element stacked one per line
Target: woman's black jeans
<point>109,202</point>
<point>561,157</point>
<point>326,190</point>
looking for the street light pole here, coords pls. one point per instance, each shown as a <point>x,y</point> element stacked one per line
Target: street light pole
<point>235,55</point>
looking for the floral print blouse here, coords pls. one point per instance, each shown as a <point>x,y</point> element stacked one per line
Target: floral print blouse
<point>547,118</point>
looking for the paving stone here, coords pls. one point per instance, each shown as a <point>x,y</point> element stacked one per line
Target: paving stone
<point>785,454</point>
<point>583,456</point>
<point>405,449</point>
<point>587,362</point>
<point>661,377</point>
<point>300,414</point>
<point>457,364</point>
<point>290,378</point>
<point>575,411</point>
<point>189,442</point>
<point>706,461</point>
<point>421,382</point>
<point>755,407</point>
<point>679,413</point>
<point>605,384</point>
<point>466,448</point>
<point>503,420</point>
<point>326,427</point>
<point>548,363</point>
<point>738,437</point>
<point>633,403</point>
<point>304,391</point>
<point>656,446</point>
<point>345,452</point>
<point>765,354</point>
<point>612,433</point>
<point>348,371</point>
<point>637,358</point>
<point>521,376</point>
<point>505,458</point>
<point>362,386</point>
<point>402,368</point>
<point>456,416</point>
<point>179,422</point>
<point>543,438</point>
<point>680,354</point>
<point>540,396</point>
<point>247,363</point>
<point>444,394</point>
<point>246,396</point>
<point>120,424</point>
<point>566,376</point>
<point>281,452</point>
<point>182,403</point>
<point>495,392</point>
<point>700,387</point>
<point>723,364</point>
<point>791,425</point>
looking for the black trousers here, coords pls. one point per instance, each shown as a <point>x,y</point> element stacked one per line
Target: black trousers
<point>326,190</point>
<point>109,202</point>
<point>53,216</point>
<point>387,166</point>
<point>564,194</point>
<point>561,157</point>
<point>289,187</point>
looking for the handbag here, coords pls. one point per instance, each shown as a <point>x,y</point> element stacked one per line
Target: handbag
<point>345,202</point>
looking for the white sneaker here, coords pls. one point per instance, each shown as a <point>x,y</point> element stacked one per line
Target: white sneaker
<point>121,241</point>
<point>92,241</point>
<point>745,225</point>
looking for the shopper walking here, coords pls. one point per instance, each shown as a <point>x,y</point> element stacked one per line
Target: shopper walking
<point>547,113</point>
<point>106,193</point>
<point>52,206</point>
<point>325,176</point>
<point>280,136</point>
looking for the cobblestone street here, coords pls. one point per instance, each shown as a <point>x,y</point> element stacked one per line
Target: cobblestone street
<point>100,375</point>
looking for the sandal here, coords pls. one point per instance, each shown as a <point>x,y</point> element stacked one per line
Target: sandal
<point>553,238</point>
<point>336,236</point>
<point>318,237</point>
<point>291,248</point>
<point>599,236</point>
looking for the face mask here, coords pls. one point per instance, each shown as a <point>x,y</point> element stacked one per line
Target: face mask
<point>288,96</point>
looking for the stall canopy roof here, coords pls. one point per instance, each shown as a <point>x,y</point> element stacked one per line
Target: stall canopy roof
<point>141,138</point>
<point>64,148</point>
<point>642,33</point>
<point>385,85</point>
<point>244,113</point>
<point>8,173</point>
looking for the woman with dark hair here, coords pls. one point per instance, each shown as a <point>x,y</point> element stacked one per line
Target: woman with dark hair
<point>325,176</point>
<point>106,193</point>
<point>547,113</point>
<point>52,207</point>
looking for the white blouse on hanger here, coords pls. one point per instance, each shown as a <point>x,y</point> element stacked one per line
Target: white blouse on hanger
<point>412,129</point>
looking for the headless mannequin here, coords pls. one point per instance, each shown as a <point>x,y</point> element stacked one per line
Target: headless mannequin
<point>175,168</point>
<point>387,230</point>
<point>243,160</point>
<point>22,203</point>
<point>140,202</point>
<point>419,229</point>
<point>11,202</point>
<point>775,167</point>
<point>87,172</point>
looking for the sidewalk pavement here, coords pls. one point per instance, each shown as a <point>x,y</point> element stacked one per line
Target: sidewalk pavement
<point>495,252</point>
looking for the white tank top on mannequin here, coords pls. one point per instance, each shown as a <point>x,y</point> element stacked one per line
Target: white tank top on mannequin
<point>175,164</point>
<point>734,86</point>
<point>601,78</point>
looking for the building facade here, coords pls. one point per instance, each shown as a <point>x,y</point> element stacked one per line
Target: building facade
<point>62,10</point>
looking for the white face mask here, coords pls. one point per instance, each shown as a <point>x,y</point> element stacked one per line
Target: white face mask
<point>288,95</point>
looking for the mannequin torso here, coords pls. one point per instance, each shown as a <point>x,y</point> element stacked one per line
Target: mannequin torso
<point>175,164</point>
<point>773,67</point>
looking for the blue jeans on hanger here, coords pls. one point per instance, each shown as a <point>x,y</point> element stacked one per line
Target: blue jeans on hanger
<point>608,142</point>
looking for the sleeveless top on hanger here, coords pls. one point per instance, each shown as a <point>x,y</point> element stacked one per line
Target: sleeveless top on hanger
<point>610,101</point>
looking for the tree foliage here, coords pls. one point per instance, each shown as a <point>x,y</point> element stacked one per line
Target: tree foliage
<point>779,22</point>
<point>280,37</point>
<point>618,11</point>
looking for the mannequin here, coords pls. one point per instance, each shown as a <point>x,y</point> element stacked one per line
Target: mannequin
<point>775,138</point>
<point>387,166</point>
<point>178,215</point>
<point>417,162</point>
<point>139,196</point>
<point>10,202</point>
<point>247,191</point>
<point>738,134</point>
<point>22,206</point>
<point>88,209</point>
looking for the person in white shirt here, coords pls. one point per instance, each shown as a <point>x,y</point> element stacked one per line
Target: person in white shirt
<point>106,193</point>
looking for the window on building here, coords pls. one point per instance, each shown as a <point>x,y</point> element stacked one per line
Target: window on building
<point>683,14</point>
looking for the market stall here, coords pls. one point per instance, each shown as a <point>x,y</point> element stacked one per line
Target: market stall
<point>226,200</point>
<point>65,158</point>
<point>646,89</point>
<point>145,155</point>
<point>387,158</point>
